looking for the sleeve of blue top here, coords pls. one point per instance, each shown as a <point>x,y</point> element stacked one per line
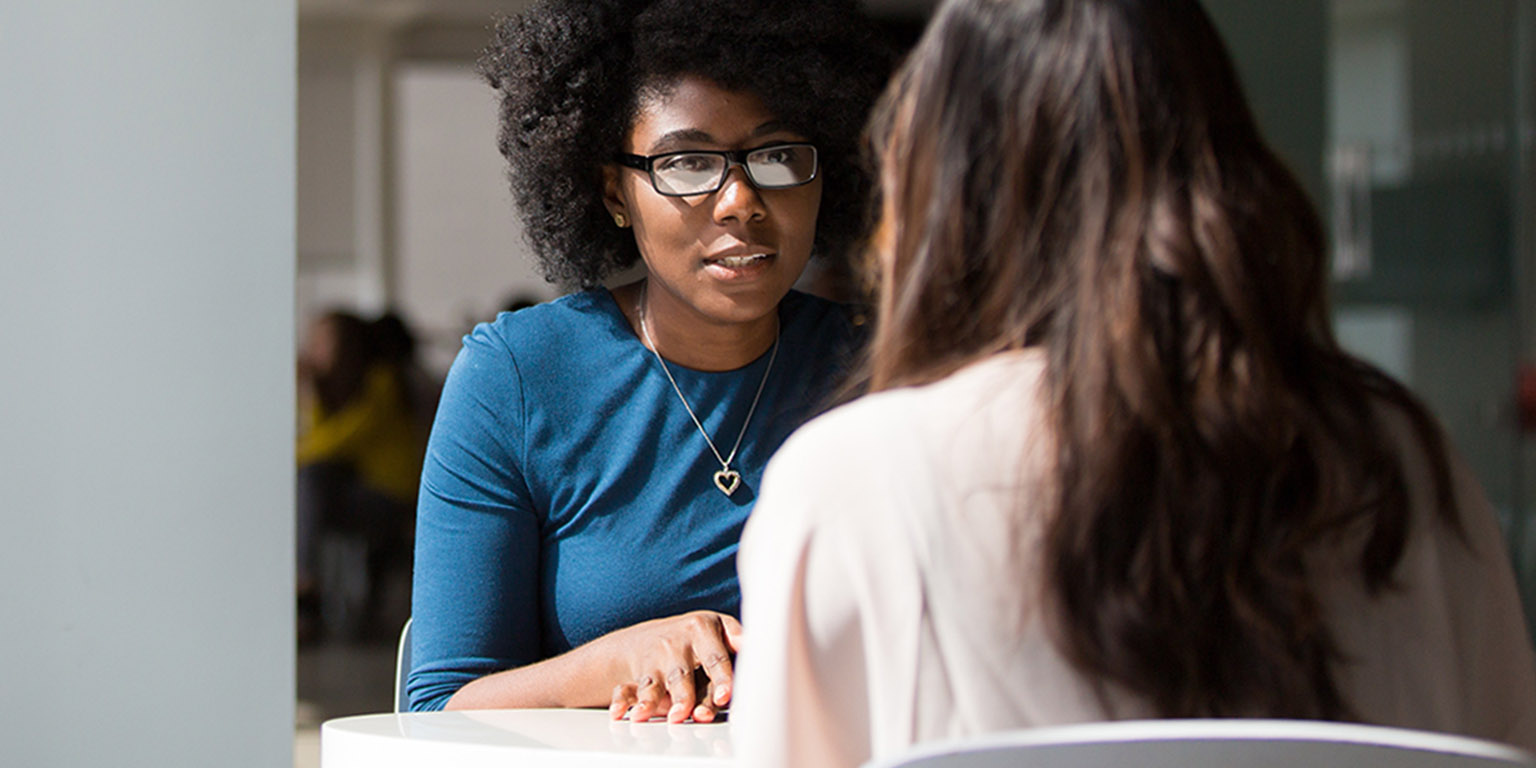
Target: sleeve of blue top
<point>475,592</point>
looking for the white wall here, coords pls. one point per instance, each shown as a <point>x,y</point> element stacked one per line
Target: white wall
<point>402,197</point>
<point>146,413</point>
<point>458,242</point>
<point>342,198</point>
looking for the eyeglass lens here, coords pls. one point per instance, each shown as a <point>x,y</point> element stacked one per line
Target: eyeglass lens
<point>691,173</point>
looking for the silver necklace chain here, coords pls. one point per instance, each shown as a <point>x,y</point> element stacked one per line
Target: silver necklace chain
<point>726,479</point>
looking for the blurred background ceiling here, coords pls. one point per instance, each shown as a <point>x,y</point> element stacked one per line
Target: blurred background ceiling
<point>428,11</point>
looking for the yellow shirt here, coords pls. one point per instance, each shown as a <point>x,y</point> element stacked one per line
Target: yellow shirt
<point>375,433</point>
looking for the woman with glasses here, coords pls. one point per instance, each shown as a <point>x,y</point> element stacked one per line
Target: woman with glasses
<point>1115,464</point>
<point>594,458</point>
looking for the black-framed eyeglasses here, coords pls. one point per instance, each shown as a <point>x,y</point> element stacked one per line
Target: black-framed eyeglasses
<point>699,171</point>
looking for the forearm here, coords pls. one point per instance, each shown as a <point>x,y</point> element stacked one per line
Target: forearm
<point>583,677</point>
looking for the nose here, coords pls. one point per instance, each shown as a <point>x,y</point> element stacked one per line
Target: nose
<point>737,199</point>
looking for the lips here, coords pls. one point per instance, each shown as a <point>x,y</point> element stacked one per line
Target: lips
<point>739,264</point>
<point>735,262</point>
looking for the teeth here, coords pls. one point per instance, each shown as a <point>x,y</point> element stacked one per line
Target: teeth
<point>741,261</point>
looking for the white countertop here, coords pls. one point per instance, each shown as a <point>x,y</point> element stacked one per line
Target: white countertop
<point>528,738</point>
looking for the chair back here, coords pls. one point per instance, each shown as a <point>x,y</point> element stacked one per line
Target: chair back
<point>1214,744</point>
<point>402,669</point>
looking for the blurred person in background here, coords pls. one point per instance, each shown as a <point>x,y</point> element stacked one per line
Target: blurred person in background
<point>359,452</point>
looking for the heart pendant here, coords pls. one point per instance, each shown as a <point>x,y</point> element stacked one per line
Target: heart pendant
<point>727,480</point>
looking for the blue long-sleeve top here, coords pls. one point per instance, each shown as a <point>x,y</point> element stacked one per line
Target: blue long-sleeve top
<point>566,493</point>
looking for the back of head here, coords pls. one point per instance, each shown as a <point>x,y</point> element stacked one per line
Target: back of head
<point>341,351</point>
<point>1084,176</point>
<point>1067,147</point>
<point>393,340</point>
<point>572,74</point>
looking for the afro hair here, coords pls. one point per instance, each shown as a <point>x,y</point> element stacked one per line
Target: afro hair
<point>571,75</point>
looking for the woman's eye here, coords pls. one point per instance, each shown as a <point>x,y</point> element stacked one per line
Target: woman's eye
<point>779,156</point>
<point>687,163</point>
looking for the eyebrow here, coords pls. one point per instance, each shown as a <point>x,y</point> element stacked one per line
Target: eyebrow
<point>682,137</point>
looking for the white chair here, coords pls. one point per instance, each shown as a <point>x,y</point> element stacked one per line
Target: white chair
<point>1213,744</point>
<point>403,668</point>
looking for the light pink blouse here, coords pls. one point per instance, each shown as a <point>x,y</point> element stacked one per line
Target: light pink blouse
<point>891,594</point>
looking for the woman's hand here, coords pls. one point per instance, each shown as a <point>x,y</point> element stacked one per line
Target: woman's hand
<point>680,666</point>
<point>651,666</point>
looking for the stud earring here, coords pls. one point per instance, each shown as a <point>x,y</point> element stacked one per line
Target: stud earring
<point>620,221</point>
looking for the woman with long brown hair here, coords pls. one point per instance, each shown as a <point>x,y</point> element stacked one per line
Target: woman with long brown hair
<point>1114,462</point>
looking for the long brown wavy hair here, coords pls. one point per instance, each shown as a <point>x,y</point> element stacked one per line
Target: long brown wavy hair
<point>1085,177</point>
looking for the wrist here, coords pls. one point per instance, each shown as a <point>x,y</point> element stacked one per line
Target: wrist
<point>591,671</point>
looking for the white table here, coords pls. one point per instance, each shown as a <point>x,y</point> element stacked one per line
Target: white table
<point>526,738</point>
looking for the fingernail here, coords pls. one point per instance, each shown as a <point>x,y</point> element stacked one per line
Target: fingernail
<point>722,694</point>
<point>678,711</point>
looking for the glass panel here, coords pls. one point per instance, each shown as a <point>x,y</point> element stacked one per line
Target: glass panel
<point>1523,139</point>
<point>1424,190</point>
